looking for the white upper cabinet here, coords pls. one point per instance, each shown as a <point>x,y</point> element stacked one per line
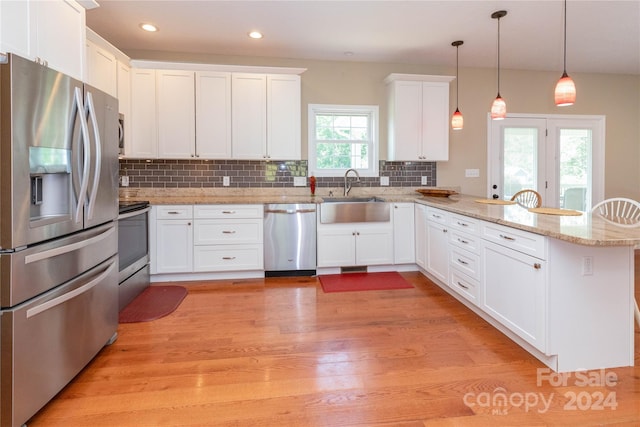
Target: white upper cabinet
<point>418,107</point>
<point>265,116</point>
<point>50,32</point>
<point>102,69</point>
<point>213,115</point>
<point>142,141</point>
<point>176,114</point>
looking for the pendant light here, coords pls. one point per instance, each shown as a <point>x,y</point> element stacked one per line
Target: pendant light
<point>499,107</point>
<point>456,120</point>
<point>565,93</point>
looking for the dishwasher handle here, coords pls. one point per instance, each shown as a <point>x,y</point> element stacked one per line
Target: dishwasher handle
<point>289,211</point>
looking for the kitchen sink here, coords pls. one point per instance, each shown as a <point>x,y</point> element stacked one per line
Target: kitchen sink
<point>354,209</point>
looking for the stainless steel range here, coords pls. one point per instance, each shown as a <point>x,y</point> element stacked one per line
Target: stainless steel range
<point>133,250</point>
<point>58,236</point>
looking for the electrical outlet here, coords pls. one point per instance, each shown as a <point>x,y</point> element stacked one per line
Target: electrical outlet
<point>587,265</point>
<point>384,181</point>
<point>226,181</point>
<point>124,181</point>
<point>472,173</point>
<point>299,181</point>
<point>423,180</point>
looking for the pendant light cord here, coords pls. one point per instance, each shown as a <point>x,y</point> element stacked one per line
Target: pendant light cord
<point>565,38</point>
<point>498,56</point>
<point>457,78</point>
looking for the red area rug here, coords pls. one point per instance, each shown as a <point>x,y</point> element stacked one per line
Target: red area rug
<point>153,303</point>
<point>363,282</point>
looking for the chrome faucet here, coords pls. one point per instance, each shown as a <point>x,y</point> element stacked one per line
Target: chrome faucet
<point>347,185</point>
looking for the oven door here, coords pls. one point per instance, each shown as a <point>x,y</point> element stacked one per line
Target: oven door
<point>133,242</point>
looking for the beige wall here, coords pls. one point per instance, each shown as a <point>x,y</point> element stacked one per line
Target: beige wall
<point>615,96</point>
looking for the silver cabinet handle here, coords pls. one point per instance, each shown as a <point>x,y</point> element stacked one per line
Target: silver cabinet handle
<point>173,213</point>
<point>228,257</point>
<point>507,237</point>
<point>463,286</point>
<point>228,232</point>
<point>228,212</point>
<point>463,262</point>
<point>463,241</point>
<point>463,224</point>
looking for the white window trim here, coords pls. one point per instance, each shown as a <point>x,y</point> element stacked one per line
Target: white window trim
<point>371,110</point>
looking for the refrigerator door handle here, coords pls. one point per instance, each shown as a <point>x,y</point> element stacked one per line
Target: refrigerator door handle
<point>91,110</point>
<point>78,110</point>
<point>68,248</point>
<point>66,297</point>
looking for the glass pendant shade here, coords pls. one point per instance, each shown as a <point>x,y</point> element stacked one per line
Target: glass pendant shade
<point>498,109</point>
<point>565,93</point>
<point>456,120</point>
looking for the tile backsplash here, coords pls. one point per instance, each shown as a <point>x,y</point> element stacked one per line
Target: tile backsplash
<point>162,173</point>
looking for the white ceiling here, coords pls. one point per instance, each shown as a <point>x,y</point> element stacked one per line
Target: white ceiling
<point>602,36</point>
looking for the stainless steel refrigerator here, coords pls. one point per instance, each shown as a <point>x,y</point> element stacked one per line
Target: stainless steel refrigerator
<point>58,236</point>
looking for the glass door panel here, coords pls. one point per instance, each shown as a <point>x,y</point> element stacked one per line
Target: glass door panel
<point>574,176</point>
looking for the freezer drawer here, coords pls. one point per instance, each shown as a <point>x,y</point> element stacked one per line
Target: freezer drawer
<point>47,341</point>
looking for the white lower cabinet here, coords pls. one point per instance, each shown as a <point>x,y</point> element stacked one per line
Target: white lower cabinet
<point>355,244</point>
<point>437,242</point>
<point>420,217</point>
<point>228,238</point>
<point>515,292</point>
<point>173,240</point>
<point>404,249</point>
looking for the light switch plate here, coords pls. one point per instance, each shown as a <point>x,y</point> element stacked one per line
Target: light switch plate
<point>226,181</point>
<point>423,180</point>
<point>384,181</point>
<point>472,173</point>
<point>299,181</point>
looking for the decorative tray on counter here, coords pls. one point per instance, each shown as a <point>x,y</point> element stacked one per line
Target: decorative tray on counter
<point>436,192</point>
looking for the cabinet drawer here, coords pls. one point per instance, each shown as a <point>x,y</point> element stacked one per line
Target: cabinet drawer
<point>228,258</point>
<point>522,241</point>
<point>437,215</point>
<point>228,211</point>
<point>174,212</point>
<point>465,241</point>
<point>465,224</point>
<point>220,231</point>
<point>465,262</point>
<point>464,285</point>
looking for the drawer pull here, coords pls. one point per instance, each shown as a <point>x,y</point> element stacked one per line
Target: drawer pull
<point>463,262</point>
<point>228,257</point>
<point>507,238</point>
<point>463,286</point>
<point>436,216</point>
<point>466,242</point>
<point>228,212</point>
<point>464,224</point>
<point>537,266</point>
<point>228,232</point>
<point>173,213</point>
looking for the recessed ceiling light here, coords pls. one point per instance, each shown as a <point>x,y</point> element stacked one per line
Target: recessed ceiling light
<point>255,34</point>
<point>149,27</point>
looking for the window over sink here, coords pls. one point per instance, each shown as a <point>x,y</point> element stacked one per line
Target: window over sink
<point>343,137</point>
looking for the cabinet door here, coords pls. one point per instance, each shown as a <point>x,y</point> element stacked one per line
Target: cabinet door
<point>438,250</point>
<point>283,117</point>
<point>336,247</point>
<point>404,249</point>
<point>17,28</point>
<point>176,114</point>
<point>249,115</point>
<point>420,212</point>
<point>124,95</point>
<point>174,250</point>
<point>213,115</point>
<point>374,244</point>
<point>514,291</point>
<point>102,69</point>
<point>405,121</point>
<point>142,142</point>
<point>435,121</point>
<point>61,35</point>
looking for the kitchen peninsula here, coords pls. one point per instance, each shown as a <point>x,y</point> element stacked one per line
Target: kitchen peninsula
<point>559,286</point>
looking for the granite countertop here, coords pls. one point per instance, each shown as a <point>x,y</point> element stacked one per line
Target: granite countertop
<point>586,229</point>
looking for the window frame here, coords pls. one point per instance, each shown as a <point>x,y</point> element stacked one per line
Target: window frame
<point>372,111</point>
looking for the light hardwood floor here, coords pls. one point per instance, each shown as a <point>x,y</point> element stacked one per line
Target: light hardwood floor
<point>280,352</point>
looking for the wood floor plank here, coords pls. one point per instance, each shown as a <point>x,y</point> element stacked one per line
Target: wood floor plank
<point>280,352</point>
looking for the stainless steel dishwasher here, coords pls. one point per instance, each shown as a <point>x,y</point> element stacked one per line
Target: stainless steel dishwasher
<point>290,239</point>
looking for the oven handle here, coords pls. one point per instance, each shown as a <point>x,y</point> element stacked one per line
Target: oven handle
<point>68,248</point>
<point>133,213</point>
<point>74,293</point>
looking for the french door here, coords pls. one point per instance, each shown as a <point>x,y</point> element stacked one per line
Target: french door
<point>561,157</point>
